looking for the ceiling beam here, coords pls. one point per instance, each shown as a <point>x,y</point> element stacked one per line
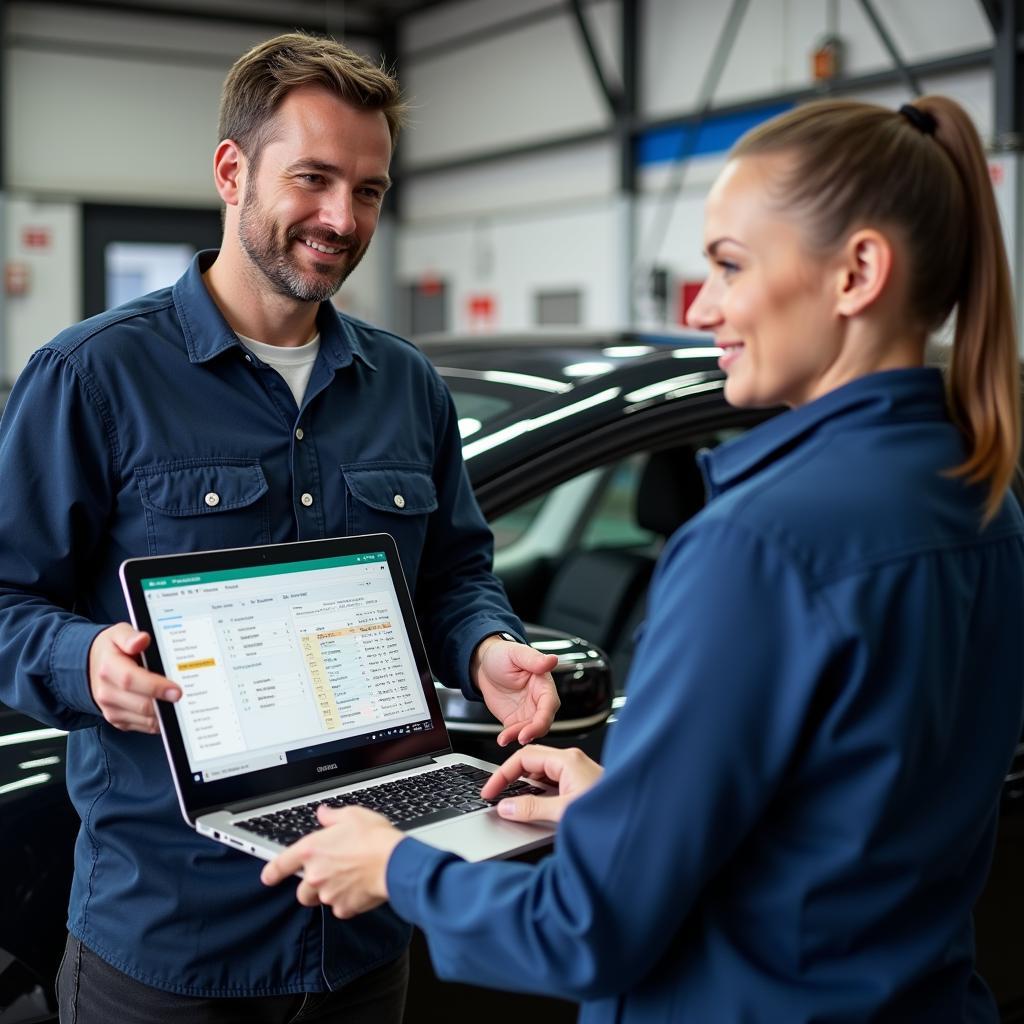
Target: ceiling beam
<point>890,45</point>
<point>993,12</point>
<point>209,13</point>
<point>611,95</point>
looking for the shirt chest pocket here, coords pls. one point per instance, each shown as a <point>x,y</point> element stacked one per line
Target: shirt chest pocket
<point>195,505</point>
<point>395,498</point>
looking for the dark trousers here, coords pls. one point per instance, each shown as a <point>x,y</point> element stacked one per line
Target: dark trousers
<point>90,991</point>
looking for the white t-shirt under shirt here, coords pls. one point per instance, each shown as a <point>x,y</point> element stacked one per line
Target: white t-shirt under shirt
<point>295,363</point>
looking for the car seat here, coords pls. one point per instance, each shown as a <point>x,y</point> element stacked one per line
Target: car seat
<point>600,594</point>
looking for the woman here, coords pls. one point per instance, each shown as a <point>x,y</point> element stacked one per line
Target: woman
<point>799,799</point>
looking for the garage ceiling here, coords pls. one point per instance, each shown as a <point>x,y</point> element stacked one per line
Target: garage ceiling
<point>361,17</point>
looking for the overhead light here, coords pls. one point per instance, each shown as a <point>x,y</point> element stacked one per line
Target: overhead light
<point>31,780</point>
<point>523,380</point>
<point>693,353</point>
<point>39,762</point>
<point>514,430</point>
<point>585,369</point>
<point>30,737</point>
<point>685,384</point>
<point>626,351</point>
<point>468,426</point>
<point>527,380</point>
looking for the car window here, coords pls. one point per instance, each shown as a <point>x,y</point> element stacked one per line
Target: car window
<point>596,509</point>
<point>544,546</point>
<point>546,526</point>
<point>612,521</point>
<point>509,528</point>
<point>475,409</point>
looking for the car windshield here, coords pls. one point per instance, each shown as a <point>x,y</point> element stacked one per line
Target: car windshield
<point>476,410</point>
<point>482,400</point>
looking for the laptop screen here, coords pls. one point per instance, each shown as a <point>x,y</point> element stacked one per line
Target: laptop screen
<point>283,662</point>
<point>298,663</point>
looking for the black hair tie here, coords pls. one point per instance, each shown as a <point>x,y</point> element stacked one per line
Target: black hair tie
<point>920,119</point>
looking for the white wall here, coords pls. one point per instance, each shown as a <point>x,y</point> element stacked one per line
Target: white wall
<point>553,219</point>
<point>569,175</point>
<point>106,106</point>
<point>526,85</point>
<point>53,298</point>
<point>513,256</point>
<point>367,293</point>
<point>541,222</point>
<point>772,50</point>
<point>109,107</point>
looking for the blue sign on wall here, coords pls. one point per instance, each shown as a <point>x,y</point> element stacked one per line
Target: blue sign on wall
<point>715,135</point>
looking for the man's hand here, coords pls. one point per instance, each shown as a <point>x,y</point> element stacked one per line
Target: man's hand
<point>344,864</point>
<point>516,685</point>
<point>122,689</point>
<point>571,770</point>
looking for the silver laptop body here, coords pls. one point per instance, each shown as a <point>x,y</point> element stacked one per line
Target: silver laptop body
<point>304,677</point>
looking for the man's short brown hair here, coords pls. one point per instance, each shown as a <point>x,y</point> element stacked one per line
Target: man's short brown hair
<point>260,79</point>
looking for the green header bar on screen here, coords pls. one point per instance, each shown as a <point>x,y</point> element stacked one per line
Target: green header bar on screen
<point>251,572</point>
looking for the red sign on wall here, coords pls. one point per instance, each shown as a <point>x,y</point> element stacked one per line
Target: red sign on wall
<point>687,293</point>
<point>36,238</point>
<point>482,310</point>
<point>431,284</point>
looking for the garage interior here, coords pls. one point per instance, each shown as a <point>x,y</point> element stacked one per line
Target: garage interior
<point>547,201</point>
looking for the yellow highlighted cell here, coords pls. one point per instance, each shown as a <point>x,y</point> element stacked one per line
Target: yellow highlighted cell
<point>187,666</point>
<point>366,627</point>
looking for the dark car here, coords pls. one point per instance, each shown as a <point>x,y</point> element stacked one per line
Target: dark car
<point>582,455</point>
<point>581,450</point>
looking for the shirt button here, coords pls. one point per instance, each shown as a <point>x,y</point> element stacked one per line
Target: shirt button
<point>399,501</point>
<point>212,499</point>
<point>248,358</point>
<point>299,433</point>
<point>307,499</point>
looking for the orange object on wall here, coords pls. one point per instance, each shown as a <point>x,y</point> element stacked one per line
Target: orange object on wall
<point>827,59</point>
<point>16,278</point>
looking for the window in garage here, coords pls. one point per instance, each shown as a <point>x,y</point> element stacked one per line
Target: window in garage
<point>128,250</point>
<point>558,308</point>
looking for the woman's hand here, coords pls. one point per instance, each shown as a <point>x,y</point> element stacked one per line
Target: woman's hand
<point>344,864</point>
<point>572,771</point>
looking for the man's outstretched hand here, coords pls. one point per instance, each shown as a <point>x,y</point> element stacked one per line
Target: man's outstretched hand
<point>516,685</point>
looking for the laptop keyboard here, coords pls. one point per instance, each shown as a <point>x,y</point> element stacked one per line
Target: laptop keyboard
<point>408,803</point>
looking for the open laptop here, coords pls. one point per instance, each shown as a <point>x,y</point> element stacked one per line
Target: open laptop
<point>304,681</point>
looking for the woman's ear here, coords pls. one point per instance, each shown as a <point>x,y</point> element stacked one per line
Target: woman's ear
<point>228,170</point>
<point>865,270</point>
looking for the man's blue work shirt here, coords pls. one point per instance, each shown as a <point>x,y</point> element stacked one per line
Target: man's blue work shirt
<point>802,790</point>
<point>114,434</point>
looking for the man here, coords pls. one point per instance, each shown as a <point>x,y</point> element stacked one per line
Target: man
<point>236,408</point>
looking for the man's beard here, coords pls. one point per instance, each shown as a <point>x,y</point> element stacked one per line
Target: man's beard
<point>272,254</point>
